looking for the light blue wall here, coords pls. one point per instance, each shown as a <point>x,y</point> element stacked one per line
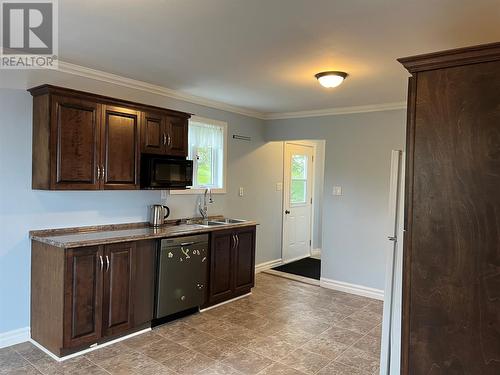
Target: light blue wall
<point>357,157</point>
<point>251,165</point>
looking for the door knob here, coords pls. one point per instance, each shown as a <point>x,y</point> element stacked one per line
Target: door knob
<point>287,212</point>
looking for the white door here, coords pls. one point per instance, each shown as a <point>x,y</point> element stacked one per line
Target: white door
<point>390,357</point>
<point>297,202</point>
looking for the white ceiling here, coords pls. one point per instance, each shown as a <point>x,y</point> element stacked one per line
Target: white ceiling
<point>262,54</point>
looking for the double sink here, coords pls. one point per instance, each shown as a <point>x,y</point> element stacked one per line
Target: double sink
<point>215,222</point>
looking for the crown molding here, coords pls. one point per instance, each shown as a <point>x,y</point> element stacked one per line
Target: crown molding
<point>336,111</point>
<point>78,70</point>
<point>98,75</point>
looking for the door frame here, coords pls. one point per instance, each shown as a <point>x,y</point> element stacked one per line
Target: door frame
<point>313,197</point>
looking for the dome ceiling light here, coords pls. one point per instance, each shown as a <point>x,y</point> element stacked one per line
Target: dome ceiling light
<point>331,79</point>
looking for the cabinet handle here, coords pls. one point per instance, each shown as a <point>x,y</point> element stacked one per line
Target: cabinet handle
<point>102,172</point>
<point>107,263</point>
<point>237,241</point>
<point>98,173</point>
<point>164,139</point>
<point>169,141</point>
<point>234,241</point>
<point>101,261</point>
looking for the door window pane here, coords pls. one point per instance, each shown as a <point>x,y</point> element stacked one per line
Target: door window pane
<point>299,190</point>
<point>299,166</point>
<point>298,183</point>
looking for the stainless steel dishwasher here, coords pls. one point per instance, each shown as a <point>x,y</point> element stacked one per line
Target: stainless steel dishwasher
<point>182,274</point>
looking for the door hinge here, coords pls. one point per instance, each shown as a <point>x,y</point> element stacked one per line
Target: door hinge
<point>311,201</point>
<point>310,242</point>
<point>312,159</point>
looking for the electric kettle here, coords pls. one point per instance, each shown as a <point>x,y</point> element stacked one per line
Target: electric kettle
<point>158,215</point>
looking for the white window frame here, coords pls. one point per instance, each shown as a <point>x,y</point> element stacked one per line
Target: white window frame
<point>222,190</point>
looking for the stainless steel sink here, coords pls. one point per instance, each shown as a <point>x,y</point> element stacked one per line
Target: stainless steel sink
<point>231,221</point>
<point>214,223</point>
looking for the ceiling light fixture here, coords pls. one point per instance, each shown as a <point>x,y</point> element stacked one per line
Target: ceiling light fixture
<point>331,78</point>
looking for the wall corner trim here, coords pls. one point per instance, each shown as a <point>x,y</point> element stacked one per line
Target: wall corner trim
<point>359,290</point>
<point>14,337</point>
<point>268,265</point>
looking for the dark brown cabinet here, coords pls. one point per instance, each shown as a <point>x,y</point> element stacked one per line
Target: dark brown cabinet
<point>164,135</point>
<point>244,260</point>
<point>119,148</point>
<point>451,299</point>
<point>221,266</point>
<point>102,291</point>
<point>83,141</point>
<point>154,134</point>
<point>83,297</point>
<point>232,264</point>
<point>75,140</point>
<point>177,138</point>
<point>117,288</point>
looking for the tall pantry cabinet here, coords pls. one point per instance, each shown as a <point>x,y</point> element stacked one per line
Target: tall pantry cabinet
<point>451,291</point>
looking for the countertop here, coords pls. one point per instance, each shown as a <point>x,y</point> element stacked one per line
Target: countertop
<point>89,236</point>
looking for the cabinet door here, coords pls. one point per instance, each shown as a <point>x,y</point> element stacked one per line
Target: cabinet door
<point>244,260</point>
<point>143,285</point>
<point>119,149</point>
<point>117,290</point>
<point>153,133</point>
<point>82,296</point>
<point>177,138</point>
<point>221,266</point>
<point>74,143</point>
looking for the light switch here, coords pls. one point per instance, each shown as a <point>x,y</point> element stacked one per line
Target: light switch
<point>337,190</point>
<point>279,186</point>
<point>164,194</point>
<point>241,192</point>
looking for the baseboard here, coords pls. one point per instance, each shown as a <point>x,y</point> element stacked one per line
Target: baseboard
<point>316,253</point>
<point>359,290</point>
<point>14,337</point>
<point>296,259</point>
<point>81,352</point>
<point>268,265</point>
<point>291,276</point>
<point>225,302</point>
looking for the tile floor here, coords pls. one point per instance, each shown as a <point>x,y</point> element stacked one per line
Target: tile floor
<point>284,327</point>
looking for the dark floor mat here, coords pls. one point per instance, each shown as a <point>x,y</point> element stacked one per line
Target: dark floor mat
<point>307,267</point>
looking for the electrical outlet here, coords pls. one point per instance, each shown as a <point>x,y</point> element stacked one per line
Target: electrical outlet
<point>241,193</point>
<point>279,186</point>
<point>337,190</point>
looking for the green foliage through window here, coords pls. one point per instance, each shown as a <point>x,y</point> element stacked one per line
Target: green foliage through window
<point>298,186</point>
<point>204,157</point>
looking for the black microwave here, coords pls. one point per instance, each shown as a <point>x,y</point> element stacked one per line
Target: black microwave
<point>163,172</point>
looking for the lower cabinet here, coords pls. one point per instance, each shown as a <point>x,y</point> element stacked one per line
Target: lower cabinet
<point>106,291</point>
<point>232,264</point>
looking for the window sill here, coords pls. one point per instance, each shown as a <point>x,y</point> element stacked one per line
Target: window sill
<point>196,191</point>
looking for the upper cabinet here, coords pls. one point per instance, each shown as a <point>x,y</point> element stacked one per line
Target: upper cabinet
<point>119,148</point>
<point>164,134</point>
<point>83,141</point>
<point>177,138</point>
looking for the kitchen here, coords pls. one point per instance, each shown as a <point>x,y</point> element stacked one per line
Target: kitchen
<point>147,192</point>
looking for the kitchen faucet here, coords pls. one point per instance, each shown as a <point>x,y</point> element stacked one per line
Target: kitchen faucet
<point>204,210</point>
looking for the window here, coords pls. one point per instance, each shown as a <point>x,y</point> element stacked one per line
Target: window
<point>298,184</point>
<point>207,149</point>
